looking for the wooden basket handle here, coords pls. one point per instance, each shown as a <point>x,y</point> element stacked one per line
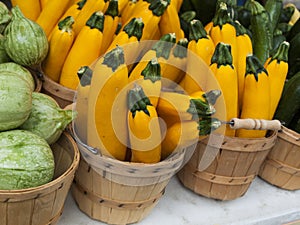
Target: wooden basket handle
<point>255,124</point>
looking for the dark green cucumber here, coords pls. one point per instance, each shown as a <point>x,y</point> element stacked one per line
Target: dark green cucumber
<point>294,53</point>
<point>261,31</point>
<point>289,103</point>
<point>243,16</point>
<point>274,7</point>
<point>295,123</point>
<point>278,38</point>
<point>286,14</point>
<point>295,29</point>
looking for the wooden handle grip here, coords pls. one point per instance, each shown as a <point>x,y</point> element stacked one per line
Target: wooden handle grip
<point>255,124</point>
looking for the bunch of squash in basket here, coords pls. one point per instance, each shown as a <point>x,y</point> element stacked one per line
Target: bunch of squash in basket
<point>133,114</point>
<point>258,48</point>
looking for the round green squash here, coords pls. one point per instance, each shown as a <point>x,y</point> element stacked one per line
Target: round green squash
<point>26,160</point>
<point>25,41</point>
<point>18,70</point>
<point>47,119</point>
<point>15,101</point>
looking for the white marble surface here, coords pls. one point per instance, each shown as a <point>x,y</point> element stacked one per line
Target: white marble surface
<point>263,204</point>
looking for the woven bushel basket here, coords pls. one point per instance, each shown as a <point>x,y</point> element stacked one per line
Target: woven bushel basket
<point>117,192</point>
<point>282,166</point>
<point>43,205</point>
<point>231,171</point>
<point>64,96</point>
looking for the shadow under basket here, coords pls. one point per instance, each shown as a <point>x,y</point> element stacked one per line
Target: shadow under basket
<point>118,192</point>
<point>282,166</point>
<point>43,205</point>
<point>64,96</point>
<point>231,171</point>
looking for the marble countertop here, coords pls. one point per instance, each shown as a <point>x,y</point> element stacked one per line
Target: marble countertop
<point>263,204</point>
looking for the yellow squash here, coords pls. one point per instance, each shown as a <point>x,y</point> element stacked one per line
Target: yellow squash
<point>186,133</point>
<point>30,8</point>
<point>160,50</point>
<point>170,23</point>
<point>127,11</point>
<point>90,7</point>
<point>74,9</point>
<point>143,128</point>
<point>151,13</point>
<point>150,81</point>
<point>43,3</point>
<point>60,44</point>
<point>200,51</point>
<point>175,67</point>
<point>85,50</point>
<point>50,15</point>
<point>256,98</point>
<point>226,75</point>
<point>277,68</point>
<point>107,109</point>
<point>184,107</point>
<point>244,48</point>
<point>111,20</point>
<point>81,122</point>
<point>223,30</point>
<point>130,35</point>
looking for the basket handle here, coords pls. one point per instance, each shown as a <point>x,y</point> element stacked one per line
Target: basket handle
<point>254,124</point>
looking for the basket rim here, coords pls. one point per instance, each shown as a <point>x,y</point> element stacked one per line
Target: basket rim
<point>58,90</point>
<point>52,183</point>
<point>289,135</point>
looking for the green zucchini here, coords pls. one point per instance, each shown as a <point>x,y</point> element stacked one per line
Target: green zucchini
<point>295,29</point>
<point>261,30</point>
<point>289,103</point>
<point>294,53</point>
<point>274,7</point>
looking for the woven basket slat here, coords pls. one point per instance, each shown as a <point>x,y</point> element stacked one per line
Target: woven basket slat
<point>63,95</point>
<point>117,192</point>
<point>42,209</point>
<point>112,202</point>
<point>43,205</point>
<point>233,169</point>
<point>282,166</point>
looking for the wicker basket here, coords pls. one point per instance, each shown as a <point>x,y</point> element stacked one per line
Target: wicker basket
<point>117,192</point>
<point>64,96</point>
<point>43,205</point>
<point>282,166</point>
<point>38,83</point>
<point>232,170</point>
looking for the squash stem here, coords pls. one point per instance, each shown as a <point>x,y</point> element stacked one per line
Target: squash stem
<point>254,66</point>
<point>208,125</point>
<point>196,30</point>
<point>164,45</point>
<point>66,24</point>
<point>137,101</point>
<point>222,55</point>
<point>134,28</point>
<point>221,17</point>
<point>96,21</point>
<point>180,49</point>
<point>85,74</point>
<point>281,55</point>
<point>152,71</point>
<point>112,9</point>
<point>158,7</point>
<point>114,58</point>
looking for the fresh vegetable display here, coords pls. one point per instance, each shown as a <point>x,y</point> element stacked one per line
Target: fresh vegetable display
<point>247,49</point>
